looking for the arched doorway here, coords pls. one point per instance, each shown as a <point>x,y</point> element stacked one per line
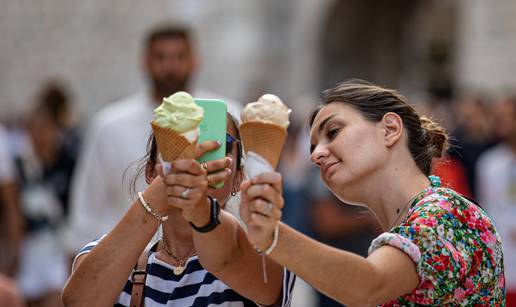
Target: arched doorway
<point>405,44</point>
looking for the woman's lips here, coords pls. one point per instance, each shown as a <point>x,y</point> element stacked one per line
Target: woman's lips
<point>328,169</point>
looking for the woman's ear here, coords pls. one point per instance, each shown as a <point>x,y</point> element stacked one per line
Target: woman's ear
<point>392,127</point>
<point>239,178</point>
<point>150,172</point>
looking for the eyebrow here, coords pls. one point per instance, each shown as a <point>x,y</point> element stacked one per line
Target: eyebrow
<point>321,128</point>
<point>323,123</point>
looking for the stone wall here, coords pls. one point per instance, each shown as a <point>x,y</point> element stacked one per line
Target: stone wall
<point>92,45</point>
<point>246,48</point>
<point>486,60</point>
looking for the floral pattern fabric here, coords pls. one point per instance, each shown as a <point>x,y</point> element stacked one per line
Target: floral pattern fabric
<point>456,248</point>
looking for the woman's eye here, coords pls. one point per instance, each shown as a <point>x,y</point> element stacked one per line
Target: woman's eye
<point>332,133</point>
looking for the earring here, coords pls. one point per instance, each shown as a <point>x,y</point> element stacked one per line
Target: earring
<point>233,193</point>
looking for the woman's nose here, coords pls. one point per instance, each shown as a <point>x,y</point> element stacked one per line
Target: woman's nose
<point>320,152</point>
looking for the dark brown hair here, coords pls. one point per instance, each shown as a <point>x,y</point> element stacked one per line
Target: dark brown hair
<point>426,138</point>
<point>54,102</point>
<point>167,31</point>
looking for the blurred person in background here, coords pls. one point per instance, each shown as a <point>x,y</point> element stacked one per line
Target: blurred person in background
<point>496,186</point>
<point>452,173</point>
<point>117,135</point>
<point>45,157</point>
<point>11,224</point>
<point>11,221</point>
<point>374,149</point>
<point>293,163</point>
<point>471,137</point>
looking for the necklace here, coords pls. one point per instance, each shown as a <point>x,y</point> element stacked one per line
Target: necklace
<point>400,214</point>
<point>435,181</point>
<point>178,270</point>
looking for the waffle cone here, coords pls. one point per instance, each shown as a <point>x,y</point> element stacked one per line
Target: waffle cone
<point>264,139</point>
<point>171,144</point>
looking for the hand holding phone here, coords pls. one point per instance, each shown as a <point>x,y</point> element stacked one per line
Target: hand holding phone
<point>213,127</point>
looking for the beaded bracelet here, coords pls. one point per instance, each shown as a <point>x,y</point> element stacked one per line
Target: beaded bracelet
<point>273,244</point>
<point>147,208</point>
<point>274,241</point>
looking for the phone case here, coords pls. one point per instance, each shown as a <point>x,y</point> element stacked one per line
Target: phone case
<point>213,127</point>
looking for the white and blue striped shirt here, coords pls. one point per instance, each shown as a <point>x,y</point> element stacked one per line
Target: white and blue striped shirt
<point>195,287</point>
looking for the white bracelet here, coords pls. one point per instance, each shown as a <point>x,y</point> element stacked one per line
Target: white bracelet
<point>273,244</point>
<point>147,208</point>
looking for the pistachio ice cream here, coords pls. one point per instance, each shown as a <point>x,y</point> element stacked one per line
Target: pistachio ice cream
<point>175,126</point>
<point>178,112</point>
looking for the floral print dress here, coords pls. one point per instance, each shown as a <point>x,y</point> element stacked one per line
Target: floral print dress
<point>456,248</point>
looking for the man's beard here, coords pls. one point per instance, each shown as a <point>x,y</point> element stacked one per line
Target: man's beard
<point>165,88</point>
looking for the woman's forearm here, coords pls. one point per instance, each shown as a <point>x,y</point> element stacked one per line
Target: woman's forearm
<point>100,276</point>
<point>220,246</point>
<point>348,278</point>
<point>227,253</point>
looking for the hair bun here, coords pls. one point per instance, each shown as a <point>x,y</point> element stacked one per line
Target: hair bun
<point>436,136</point>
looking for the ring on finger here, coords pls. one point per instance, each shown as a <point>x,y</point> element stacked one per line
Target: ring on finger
<point>184,194</point>
<point>268,209</point>
<point>205,166</point>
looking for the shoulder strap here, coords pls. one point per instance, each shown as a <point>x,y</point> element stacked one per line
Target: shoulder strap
<point>138,277</point>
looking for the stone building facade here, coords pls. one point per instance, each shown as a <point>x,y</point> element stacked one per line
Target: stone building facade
<point>291,48</point>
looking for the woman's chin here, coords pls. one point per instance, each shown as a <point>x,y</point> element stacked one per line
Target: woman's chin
<point>350,201</point>
<point>346,196</point>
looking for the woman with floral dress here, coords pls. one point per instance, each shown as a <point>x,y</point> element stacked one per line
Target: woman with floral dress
<point>373,149</point>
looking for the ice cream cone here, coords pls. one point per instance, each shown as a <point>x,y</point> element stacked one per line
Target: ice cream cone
<point>171,144</point>
<point>264,139</point>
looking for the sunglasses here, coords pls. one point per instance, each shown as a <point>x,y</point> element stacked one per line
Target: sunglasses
<point>230,140</point>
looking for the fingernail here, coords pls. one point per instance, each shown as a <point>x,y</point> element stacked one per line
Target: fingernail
<point>229,171</point>
<point>230,160</point>
<point>219,143</point>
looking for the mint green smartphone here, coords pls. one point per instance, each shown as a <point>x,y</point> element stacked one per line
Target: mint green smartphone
<point>213,127</point>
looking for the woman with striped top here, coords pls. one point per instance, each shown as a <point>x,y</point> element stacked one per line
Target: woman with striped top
<point>203,257</point>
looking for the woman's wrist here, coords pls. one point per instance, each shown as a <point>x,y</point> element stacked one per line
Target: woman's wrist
<point>149,209</point>
<point>268,246</point>
<point>201,214</point>
<point>156,197</point>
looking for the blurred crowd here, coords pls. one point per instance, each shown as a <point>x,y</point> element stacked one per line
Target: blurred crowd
<point>62,184</point>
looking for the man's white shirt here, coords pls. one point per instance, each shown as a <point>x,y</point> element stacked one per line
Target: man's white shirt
<point>6,162</point>
<point>496,186</point>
